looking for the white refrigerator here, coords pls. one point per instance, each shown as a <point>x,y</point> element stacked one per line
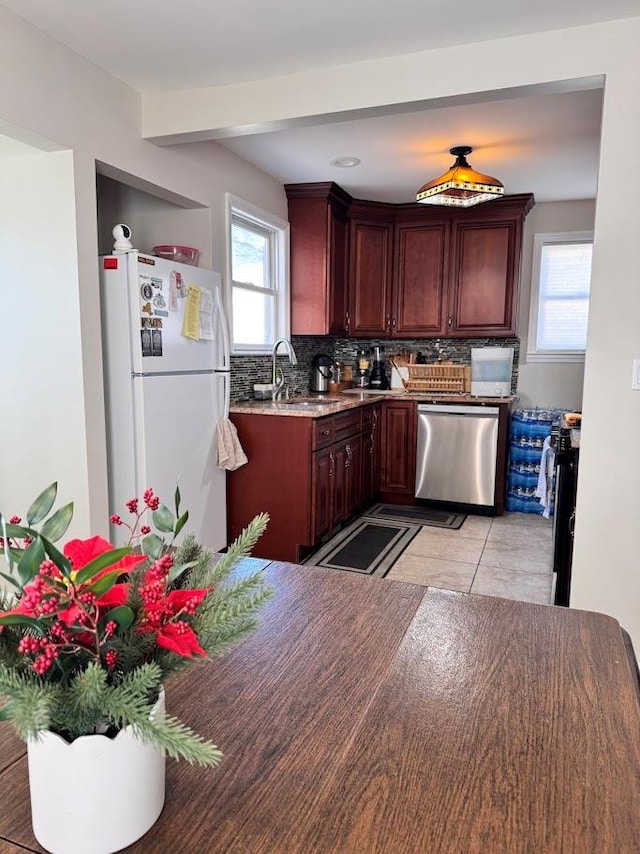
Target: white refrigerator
<point>165,390</point>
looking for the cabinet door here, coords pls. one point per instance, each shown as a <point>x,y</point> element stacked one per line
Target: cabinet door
<point>370,279</point>
<point>484,274</point>
<point>370,479</point>
<point>353,474</point>
<point>318,247</point>
<point>398,448</point>
<point>337,265</point>
<point>339,509</point>
<point>419,278</point>
<point>322,493</point>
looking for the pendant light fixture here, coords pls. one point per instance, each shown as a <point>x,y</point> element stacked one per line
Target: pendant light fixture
<point>461,186</point>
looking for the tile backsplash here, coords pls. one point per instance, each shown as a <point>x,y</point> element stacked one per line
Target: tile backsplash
<point>247,370</point>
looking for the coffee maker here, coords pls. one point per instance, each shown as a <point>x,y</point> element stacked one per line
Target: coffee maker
<point>378,375</point>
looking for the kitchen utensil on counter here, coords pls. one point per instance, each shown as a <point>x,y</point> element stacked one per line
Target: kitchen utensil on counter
<point>321,372</point>
<point>378,377</point>
<point>363,364</point>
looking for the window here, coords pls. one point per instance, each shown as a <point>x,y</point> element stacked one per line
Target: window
<point>560,284</point>
<point>258,251</point>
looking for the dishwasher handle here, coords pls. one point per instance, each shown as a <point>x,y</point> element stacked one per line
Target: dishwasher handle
<point>453,409</point>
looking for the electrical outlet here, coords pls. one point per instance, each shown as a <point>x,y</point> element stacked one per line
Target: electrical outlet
<point>635,377</point>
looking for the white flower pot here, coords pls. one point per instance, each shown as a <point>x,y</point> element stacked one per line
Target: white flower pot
<point>96,795</point>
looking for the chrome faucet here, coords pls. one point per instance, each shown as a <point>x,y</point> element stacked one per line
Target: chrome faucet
<point>278,381</point>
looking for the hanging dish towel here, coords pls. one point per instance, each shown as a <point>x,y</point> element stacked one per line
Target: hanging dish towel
<point>230,453</point>
<point>544,490</point>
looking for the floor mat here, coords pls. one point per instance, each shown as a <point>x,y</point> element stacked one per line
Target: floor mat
<point>367,546</point>
<point>416,515</point>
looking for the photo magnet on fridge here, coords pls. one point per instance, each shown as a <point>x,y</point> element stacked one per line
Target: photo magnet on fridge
<point>156,342</point>
<point>145,337</point>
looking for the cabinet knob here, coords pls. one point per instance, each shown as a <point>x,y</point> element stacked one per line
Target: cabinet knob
<point>347,322</point>
<point>393,322</point>
<point>332,462</point>
<point>450,324</point>
<point>349,456</point>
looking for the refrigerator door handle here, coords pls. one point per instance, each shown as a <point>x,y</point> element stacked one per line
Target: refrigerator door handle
<point>224,396</point>
<point>226,352</point>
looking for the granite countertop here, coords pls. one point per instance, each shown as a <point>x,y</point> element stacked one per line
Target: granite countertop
<point>321,405</point>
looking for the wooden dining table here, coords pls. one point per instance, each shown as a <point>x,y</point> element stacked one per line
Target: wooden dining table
<point>367,715</point>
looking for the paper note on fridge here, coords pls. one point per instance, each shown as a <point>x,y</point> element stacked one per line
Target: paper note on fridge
<point>206,315</point>
<point>191,317</point>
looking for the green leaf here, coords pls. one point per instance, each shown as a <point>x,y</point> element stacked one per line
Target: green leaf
<point>19,532</point>
<point>5,713</point>
<point>63,563</point>
<point>163,519</point>
<point>177,500</point>
<point>19,620</point>
<point>56,526</point>
<point>122,615</point>
<point>42,505</point>
<point>104,583</point>
<point>29,563</point>
<point>152,546</point>
<point>101,562</point>
<point>176,571</point>
<point>181,522</point>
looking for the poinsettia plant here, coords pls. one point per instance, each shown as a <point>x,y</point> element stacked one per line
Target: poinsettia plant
<point>89,633</point>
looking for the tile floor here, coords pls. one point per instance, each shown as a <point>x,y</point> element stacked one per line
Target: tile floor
<point>507,556</point>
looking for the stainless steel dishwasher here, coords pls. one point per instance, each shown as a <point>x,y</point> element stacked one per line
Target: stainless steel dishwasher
<point>457,453</point>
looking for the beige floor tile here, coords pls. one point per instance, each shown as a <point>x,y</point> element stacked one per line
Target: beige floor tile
<point>526,536</point>
<point>433,572</point>
<point>432,542</point>
<point>518,556</point>
<point>475,527</point>
<point>511,584</point>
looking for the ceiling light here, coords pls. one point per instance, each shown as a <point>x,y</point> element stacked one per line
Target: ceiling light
<point>345,161</point>
<point>461,186</point>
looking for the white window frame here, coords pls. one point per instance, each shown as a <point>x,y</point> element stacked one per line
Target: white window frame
<point>540,240</point>
<point>278,274</point>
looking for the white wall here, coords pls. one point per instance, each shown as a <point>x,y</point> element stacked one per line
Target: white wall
<point>42,412</point>
<point>70,103</point>
<point>553,384</point>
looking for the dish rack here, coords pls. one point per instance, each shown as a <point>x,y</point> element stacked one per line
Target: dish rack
<point>441,376</point>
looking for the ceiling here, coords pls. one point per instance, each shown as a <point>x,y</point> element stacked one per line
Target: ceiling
<point>543,143</point>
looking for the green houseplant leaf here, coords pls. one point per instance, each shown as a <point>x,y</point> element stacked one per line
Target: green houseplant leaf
<point>30,561</point>
<point>101,562</point>
<point>57,524</point>
<point>152,546</point>
<point>163,519</point>
<point>42,505</point>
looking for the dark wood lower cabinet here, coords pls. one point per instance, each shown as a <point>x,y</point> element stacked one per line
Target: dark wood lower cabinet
<point>398,451</point>
<point>306,473</point>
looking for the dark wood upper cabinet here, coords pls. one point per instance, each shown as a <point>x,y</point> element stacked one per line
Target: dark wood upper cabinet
<point>420,259</point>
<point>377,270</point>
<point>370,267</point>
<point>485,270</point>
<point>319,246</point>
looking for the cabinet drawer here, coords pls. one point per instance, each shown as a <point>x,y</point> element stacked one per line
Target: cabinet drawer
<point>322,433</point>
<point>347,424</point>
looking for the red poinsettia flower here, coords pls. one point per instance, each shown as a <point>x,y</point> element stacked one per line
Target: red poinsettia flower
<point>180,638</point>
<point>82,552</point>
